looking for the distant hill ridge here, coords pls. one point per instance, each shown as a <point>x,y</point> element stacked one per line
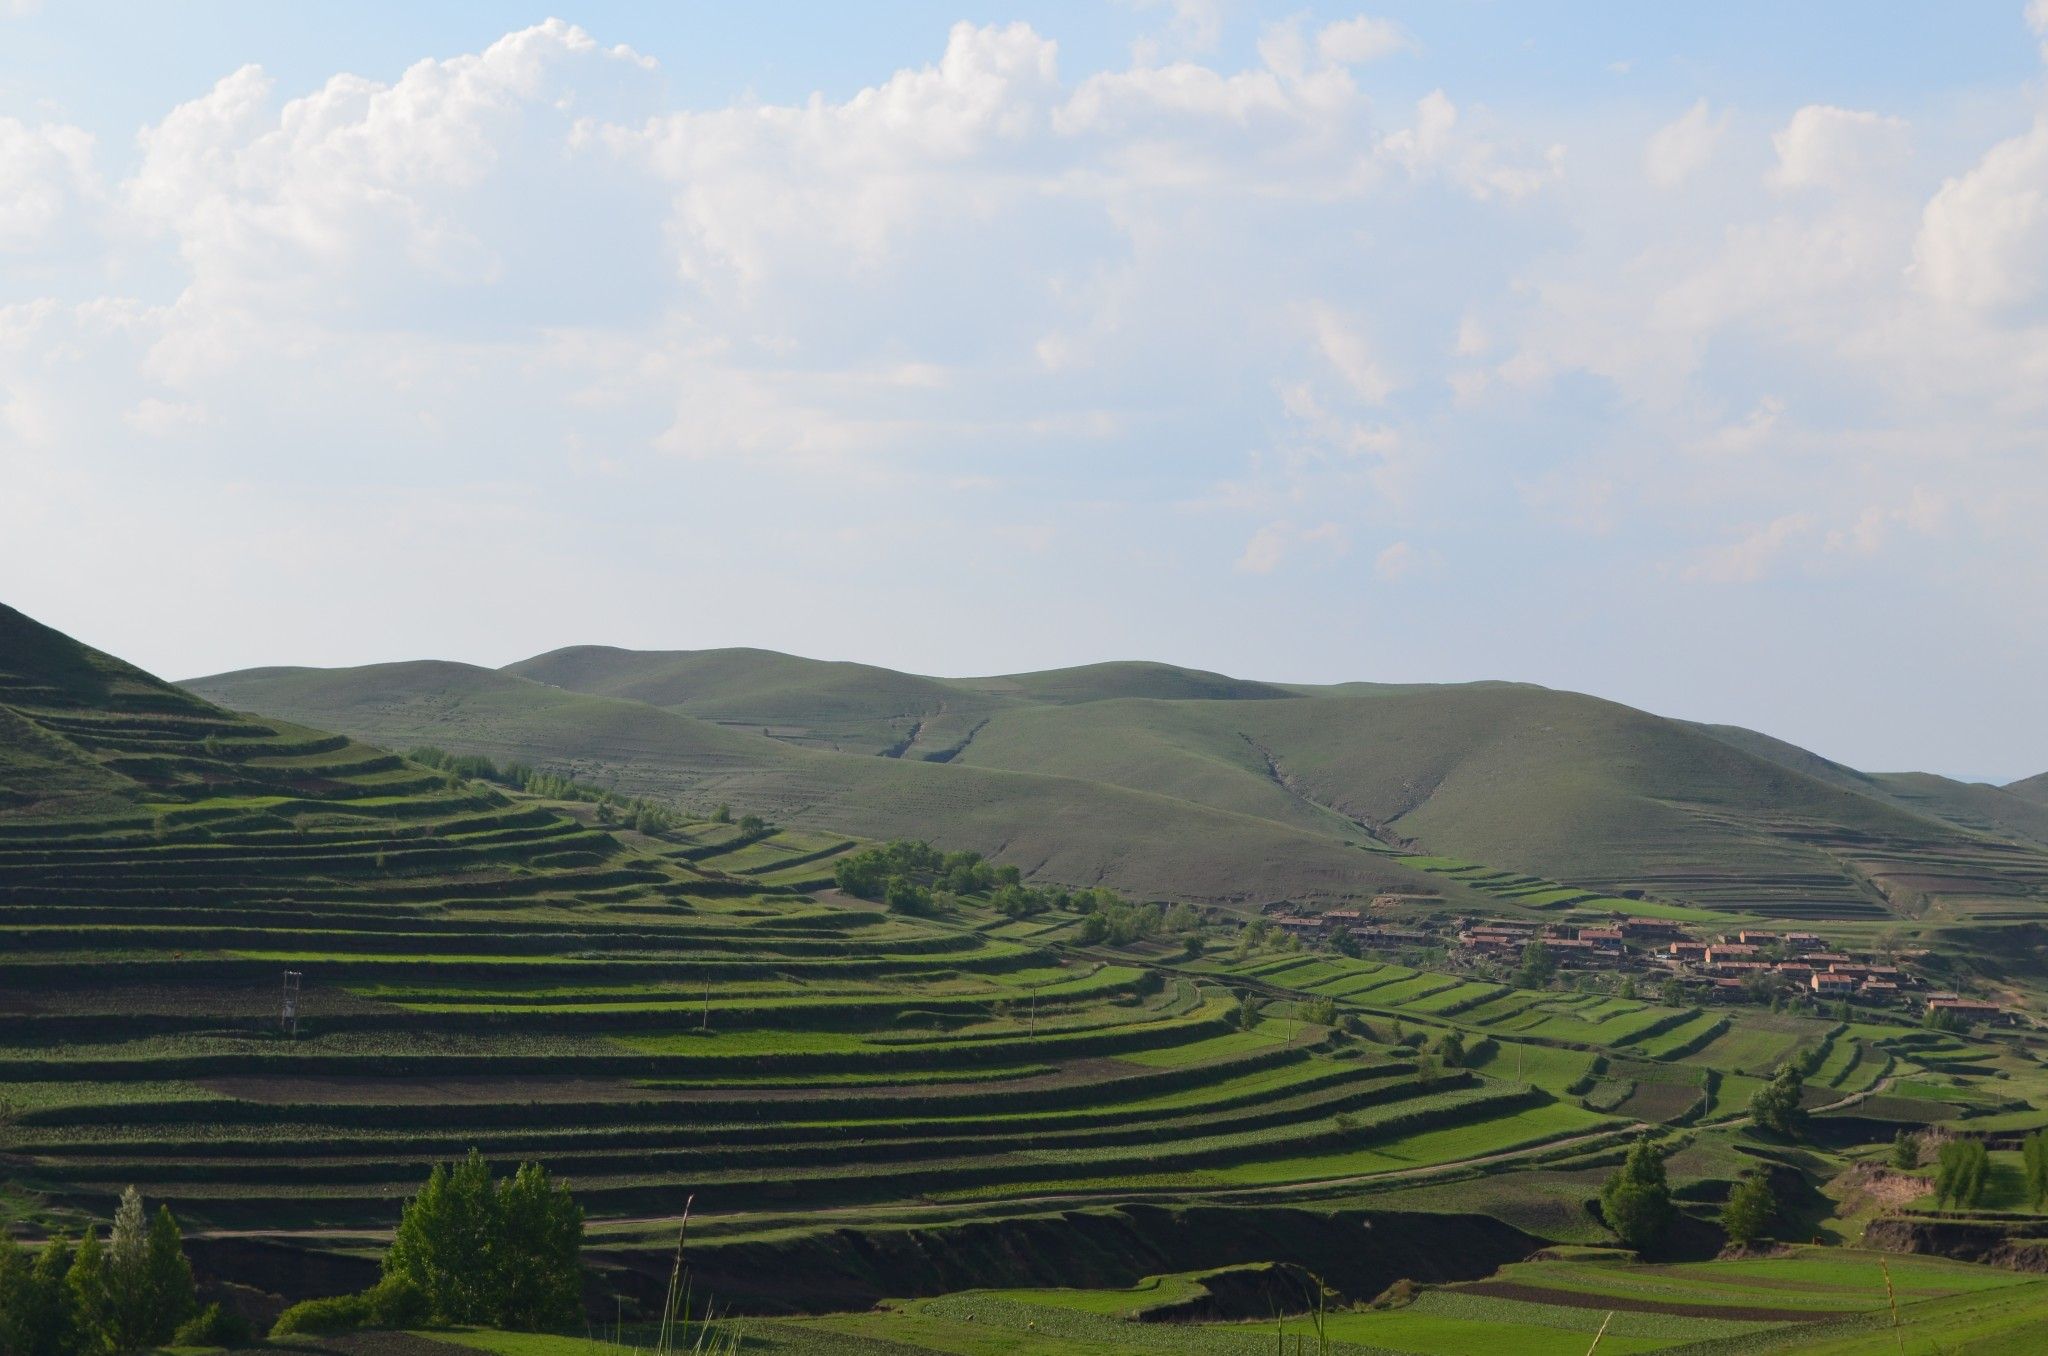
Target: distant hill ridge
<point>1163,780</point>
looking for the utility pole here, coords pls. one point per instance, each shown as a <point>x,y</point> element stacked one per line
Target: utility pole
<point>288,1017</point>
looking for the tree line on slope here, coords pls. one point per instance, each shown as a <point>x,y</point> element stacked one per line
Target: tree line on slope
<point>916,878</point>
<point>645,816</point>
<point>468,1250</point>
<point>131,1292</point>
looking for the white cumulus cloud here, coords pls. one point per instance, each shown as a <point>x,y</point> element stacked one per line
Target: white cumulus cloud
<point>1681,148</point>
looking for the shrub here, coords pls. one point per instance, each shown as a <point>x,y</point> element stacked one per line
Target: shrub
<point>214,1326</point>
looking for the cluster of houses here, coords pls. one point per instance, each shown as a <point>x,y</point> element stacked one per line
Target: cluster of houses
<point>1725,966</point>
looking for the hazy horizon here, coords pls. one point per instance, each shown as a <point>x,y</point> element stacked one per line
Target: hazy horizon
<point>1694,361</point>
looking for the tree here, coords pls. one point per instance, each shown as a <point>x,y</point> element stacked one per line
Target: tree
<point>1961,1172</point>
<point>128,1318</point>
<point>94,1315</point>
<point>1538,967</point>
<point>1751,1210</point>
<point>1905,1151</point>
<point>1450,1050</point>
<point>1636,1201</point>
<point>443,1245</point>
<point>540,1276</point>
<point>722,815</point>
<point>1628,987</point>
<point>1775,1107</point>
<point>904,895</point>
<point>1247,1011</point>
<point>166,1278</point>
<point>1945,1020</point>
<point>2034,1154</point>
<point>503,1255</point>
<point>42,1320</point>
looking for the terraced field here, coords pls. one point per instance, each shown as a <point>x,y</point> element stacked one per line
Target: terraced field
<point>654,1017</point>
<point>846,1093</point>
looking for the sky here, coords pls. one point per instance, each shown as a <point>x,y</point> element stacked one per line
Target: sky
<point>1691,356</point>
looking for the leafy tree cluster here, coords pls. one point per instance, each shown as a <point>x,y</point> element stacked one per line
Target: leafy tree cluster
<point>912,877</point>
<point>1636,1200</point>
<point>1538,966</point>
<point>1905,1151</point>
<point>1945,1020</point>
<point>1120,922</point>
<point>1775,1107</point>
<point>504,1254</point>
<point>644,815</point>
<point>1961,1172</point>
<point>1751,1209</point>
<point>129,1293</point>
<point>2034,1158</point>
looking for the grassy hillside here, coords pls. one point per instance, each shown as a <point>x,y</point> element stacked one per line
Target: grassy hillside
<point>1127,678</point>
<point>1166,781</point>
<point>1065,829</point>
<point>2033,788</point>
<point>844,707</point>
<point>1565,786</point>
<point>1974,807</point>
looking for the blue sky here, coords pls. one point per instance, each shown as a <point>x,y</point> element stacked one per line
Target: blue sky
<point>1694,357</point>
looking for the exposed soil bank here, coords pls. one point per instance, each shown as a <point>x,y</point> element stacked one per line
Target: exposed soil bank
<point>2016,1246</point>
<point>1357,1253</point>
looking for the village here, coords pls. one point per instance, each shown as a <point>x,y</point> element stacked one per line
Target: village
<point>1746,965</point>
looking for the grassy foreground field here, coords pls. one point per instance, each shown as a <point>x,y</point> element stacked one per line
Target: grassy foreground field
<point>1806,1301</point>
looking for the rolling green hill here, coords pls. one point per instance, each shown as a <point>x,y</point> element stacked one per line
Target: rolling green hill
<point>1070,830</point>
<point>843,707</point>
<point>1126,678</point>
<point>1167,781</point>
<point>2033,788</point>
<point>1975,807</point>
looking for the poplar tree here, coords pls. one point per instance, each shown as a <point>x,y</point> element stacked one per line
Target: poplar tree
<point>93,1319</point>
<point>166,1279</point>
